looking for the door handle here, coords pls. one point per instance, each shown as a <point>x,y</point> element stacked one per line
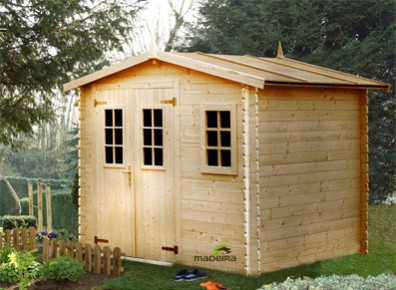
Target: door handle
<point>129,172</point>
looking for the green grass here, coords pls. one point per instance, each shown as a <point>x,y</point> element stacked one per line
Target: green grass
<point>380,259</point>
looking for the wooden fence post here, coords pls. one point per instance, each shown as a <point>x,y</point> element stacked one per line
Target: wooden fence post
<point>24,244</point>
<point>48,203</point>
<point>40,206</point>
<point>31,203</point>
<point>46,245</point>
<point>70,249</point>
<point>88,257</point>
<point>97,259</point>
<point>62,248</point>
<point>7,237</point>
<point>79,252</point>
<point>32,238</point>
<point>117,261</point>
<point>107,260</point>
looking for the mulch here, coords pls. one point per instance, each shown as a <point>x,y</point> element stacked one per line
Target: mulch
<point>87,282</point>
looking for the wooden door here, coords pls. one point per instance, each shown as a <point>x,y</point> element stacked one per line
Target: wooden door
<point>153,172</point>
<point>113,223</point>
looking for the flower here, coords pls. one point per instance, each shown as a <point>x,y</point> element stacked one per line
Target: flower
<point>60,235</point>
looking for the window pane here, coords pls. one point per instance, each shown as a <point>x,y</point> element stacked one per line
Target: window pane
<point>158,137</point>
<point>213,158</point>
<point>147,117</point>
<point>118,136</point>
<point>212,138</point>
<point>118,118</point>
<point>158,156</point>
<point>158,118</point>
<point>225,139</point>
<point>147,136</point>
<point>226,158</point>
<point>118,155</point>
<point>211,119</point>
<point>109,118</point>
<point>109,154</point>
<point>225,117</point>
<point>109,136</point>
<point>148,156</point>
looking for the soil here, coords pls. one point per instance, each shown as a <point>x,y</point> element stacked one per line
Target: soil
<point>87,282</point>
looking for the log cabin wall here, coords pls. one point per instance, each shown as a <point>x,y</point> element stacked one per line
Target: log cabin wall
<point>309,174</point>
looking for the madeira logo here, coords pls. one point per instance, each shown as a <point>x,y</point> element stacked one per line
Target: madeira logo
<point>220,253</point>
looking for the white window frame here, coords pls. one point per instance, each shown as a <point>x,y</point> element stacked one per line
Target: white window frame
<point>205,168</point>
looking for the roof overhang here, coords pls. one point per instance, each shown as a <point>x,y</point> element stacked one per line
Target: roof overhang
<point>204,67</point>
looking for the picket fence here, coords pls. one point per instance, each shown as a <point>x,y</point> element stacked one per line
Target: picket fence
<point>95,259</point>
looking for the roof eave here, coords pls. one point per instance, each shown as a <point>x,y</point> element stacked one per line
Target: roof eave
<point>380,86</point>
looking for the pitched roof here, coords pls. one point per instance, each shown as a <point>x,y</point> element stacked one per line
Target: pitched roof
<point>248,70</point>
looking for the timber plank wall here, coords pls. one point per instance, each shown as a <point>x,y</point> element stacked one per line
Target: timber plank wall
<point>309,175</point>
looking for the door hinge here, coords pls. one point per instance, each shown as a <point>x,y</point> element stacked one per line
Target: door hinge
<point>97,240</point>
<point>174,249</point>
<point>96,103</point>
<point>172,102</point>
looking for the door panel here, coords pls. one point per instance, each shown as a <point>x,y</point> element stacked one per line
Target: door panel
<point>154,175</point>
<point>113,193</point>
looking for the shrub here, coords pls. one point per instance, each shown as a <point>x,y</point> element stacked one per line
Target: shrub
<point>14,222</point>
<point>347,282</point>
<point>64,215</point>
<point>18,267</point>
<point>62,268</point>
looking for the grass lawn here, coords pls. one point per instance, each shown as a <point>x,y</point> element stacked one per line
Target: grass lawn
<point>381,259</point>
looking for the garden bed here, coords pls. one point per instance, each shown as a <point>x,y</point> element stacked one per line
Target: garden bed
<point>88,281</point>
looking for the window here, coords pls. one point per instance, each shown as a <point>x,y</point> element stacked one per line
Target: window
<point>153,145</point>
<point>218,139</point>
<point>113,136</point>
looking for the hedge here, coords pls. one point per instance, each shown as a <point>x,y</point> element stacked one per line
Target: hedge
<point>20,184</point>
<point>8,205</point>
<point>12,222</point>
<point>64,215</point>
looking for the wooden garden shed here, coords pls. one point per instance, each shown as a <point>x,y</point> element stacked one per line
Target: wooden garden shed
<point>238,163</point>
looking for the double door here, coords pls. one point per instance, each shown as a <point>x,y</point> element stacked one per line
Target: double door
<point>135,172</point>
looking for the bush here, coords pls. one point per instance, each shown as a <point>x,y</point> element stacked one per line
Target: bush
<point>64,215</point>
<point>19,267</point>
<point>9,204</point>
<point>15,222</point>
<point>347,282</point>
<point>62,268</point>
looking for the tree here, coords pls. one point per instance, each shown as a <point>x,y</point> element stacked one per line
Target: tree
<point>356,37</point>
<point>44,44</point>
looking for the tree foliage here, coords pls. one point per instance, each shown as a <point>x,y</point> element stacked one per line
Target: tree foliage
<point>356,37</point>
<point>44,44</point>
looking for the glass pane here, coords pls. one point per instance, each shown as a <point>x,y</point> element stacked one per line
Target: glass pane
<point>158,156</point>
<point>226,158</point>
<point>118,155</point>
<point>109,154</point>
<point>147,137</point>
<point>158,118</point>
<point>118,136</point>
<point>213,158</point>
<point>109,136</point>
<point>109,118</point>
<point>118,117</point>
<point>225,117</point>
<point>212,138</point>
<point>225,139</point>
<point>147,117</point>
<point>211,119</point>
<point>148,156</point>
<point>158,137</point>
